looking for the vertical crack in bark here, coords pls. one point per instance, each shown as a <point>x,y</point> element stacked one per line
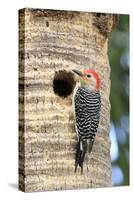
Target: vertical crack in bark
<point>105,22</point>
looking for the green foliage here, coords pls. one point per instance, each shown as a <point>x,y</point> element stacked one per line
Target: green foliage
<point>119,61</point>
<point>118,46</point>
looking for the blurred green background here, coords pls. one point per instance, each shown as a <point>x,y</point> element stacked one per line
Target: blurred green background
<point>119,97</point>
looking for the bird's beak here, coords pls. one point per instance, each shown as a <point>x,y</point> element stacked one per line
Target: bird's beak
<point>79,73</point>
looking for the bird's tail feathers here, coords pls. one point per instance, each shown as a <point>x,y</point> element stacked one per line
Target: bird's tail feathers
<point>80,154</point>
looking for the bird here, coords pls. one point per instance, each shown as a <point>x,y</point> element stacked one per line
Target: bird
<point>86,107</point>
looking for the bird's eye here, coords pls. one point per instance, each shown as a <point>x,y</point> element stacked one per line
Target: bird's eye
<point>88,75</point>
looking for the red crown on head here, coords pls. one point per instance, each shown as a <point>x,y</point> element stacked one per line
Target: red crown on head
<point>95,75</point>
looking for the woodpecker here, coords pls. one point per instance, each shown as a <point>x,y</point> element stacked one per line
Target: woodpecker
<point>86,104</point>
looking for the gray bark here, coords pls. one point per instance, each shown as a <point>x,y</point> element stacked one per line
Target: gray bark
<point>50,41</point>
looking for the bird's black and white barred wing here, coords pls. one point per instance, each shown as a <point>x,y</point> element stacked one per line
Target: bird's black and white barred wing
<point>87,111</point>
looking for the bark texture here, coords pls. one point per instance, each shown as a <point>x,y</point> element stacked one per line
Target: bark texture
<point>50,41</point>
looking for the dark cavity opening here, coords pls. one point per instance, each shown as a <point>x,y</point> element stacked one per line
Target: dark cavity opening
<point>63,83</point>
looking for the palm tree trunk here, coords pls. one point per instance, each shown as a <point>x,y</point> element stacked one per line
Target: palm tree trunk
<point>49,43</point>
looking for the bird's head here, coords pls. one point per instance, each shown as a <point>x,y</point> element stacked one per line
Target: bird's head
<point>88,78</point>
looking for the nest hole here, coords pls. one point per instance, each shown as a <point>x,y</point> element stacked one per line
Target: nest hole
<point>63,83</point>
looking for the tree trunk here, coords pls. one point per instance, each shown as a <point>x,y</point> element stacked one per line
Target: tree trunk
<point>51,42</point>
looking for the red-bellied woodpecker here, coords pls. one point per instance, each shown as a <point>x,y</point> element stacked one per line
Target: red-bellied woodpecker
<point>87,104</point>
